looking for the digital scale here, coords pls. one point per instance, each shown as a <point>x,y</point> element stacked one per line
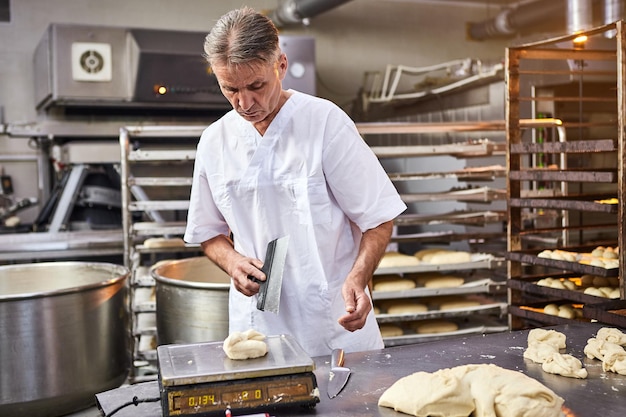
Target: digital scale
<point>200,380</point>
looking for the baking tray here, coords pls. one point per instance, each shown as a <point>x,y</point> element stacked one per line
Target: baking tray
<point>572,202</point>
<point>466,327</point>
<point>571,175</point>
<point>471,287</point>
<point>578,146</point>
<point>532,288</point>
<point>484,309</point>
<point>530,257</point>
<point>607,312</point>
<point>533,313</point>
<point>484,261</point>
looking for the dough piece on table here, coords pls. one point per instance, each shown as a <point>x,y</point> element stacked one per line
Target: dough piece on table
<point>397,259</point>
<point>405,307</point>
<point>435,326</point>
<point>425,394</point>
<point>540,352</point>
<point>612,335</point>
<point>557,339</point>
<point>390,330</point>
<point>163,242</point>
<point>245,345</point>
<point>564,365</point>
<point>598,349</point>
<point>503,392</point>
<point>615,361</point>
<point>393,283</point>
<point>443,256</point>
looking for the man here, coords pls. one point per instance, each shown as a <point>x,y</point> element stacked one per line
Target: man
<point>286,163</point>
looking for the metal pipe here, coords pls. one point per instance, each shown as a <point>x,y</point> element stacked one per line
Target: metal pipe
<point>291,12</point>
<point>613,11</point>
<point>579,15</point>
<point>509,21</point>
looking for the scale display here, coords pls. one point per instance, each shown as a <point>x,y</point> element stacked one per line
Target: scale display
<point>199,379</point>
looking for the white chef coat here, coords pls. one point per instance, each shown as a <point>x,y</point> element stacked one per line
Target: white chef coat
<point>312,177</point>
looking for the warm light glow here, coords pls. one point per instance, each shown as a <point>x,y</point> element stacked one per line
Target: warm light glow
<point>162,90</point>
<point>580,39</point>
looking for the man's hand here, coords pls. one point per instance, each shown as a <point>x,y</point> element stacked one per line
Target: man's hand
<point>358,306</point>
<point>221,251</point>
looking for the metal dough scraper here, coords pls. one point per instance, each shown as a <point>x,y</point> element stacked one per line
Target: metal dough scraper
<point>273,267</point>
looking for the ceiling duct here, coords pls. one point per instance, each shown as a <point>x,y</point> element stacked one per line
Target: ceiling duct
<point>291,12</point>
<point>510,21</point>
<point>579,15</point>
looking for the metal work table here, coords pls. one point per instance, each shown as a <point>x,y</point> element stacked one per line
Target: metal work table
<point>601,394</point>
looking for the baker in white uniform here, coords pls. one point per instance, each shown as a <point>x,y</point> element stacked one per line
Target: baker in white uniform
<point>286,163</point>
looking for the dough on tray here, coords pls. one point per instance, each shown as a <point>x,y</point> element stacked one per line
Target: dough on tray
<point>493,391</point>
<point>390,330</point>
<point>245,345</point>
<point>405,307</point>
<point>393,283</point>
<point>443,256</point>
<point>443,281</point>
<point>163,242</point>
<point>396,260</point>
<point>435,326</point>
<point>458,304</point>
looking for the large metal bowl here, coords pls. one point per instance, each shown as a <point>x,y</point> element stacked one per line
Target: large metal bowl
<point>64,335</point>
<point>192,301</point>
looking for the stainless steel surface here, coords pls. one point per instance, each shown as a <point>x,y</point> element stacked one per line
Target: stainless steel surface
<point>206,362</point>
<point>601,394</point>
<point>338,375</point>
<point>65,335</point>
<point>273,267</point>
<point>192,301</point>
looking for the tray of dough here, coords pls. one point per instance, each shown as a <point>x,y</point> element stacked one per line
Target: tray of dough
<point>584,289</point>
<point>435,329</point>
<point>406,310</point>
<point>403,264</point>
<point>584,260</point>
<point>482,285</point>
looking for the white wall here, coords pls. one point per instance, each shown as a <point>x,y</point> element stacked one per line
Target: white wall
<point>359,36</point>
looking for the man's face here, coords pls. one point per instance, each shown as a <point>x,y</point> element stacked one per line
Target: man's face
<point>253,90</point>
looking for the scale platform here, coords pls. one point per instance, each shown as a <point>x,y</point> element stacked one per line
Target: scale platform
<point>200,380</point>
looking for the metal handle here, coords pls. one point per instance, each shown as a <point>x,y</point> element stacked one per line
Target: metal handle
<point>337,358</point>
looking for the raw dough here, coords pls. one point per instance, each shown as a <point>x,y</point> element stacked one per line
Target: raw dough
<point>495,391</point>
<point>435,326</point>
<point>390,330</point>
<point>615,361</point>
<point>425,394</point>
<point>245,345</point>
<point>564,365</point>
<point>613,335</point>
<point>397,259</point>
<point>598,349</point>
<point>556,339</point>
<point>391,283</point>
<point>443,281</point>
<point>163,242</point>
<point>540,352</point>
<point>405,307</point>
<point>443,256</point>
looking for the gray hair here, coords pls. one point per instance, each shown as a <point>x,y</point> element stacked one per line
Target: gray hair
<point>242,36</point>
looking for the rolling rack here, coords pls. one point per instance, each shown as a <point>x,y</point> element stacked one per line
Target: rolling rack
<point>486,317</point>
<point>156,173</point>
<point>569,189</point>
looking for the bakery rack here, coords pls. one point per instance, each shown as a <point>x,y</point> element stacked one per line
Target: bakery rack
<point>156,171</point>
<point>570,188</point>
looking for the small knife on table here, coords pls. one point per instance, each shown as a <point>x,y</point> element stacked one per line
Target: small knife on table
<point>338,373</point>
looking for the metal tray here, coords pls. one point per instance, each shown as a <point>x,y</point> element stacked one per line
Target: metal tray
<point>574,202</point>
<point>530,257</point>
<point>532,288</point>
<point>607,312</point>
